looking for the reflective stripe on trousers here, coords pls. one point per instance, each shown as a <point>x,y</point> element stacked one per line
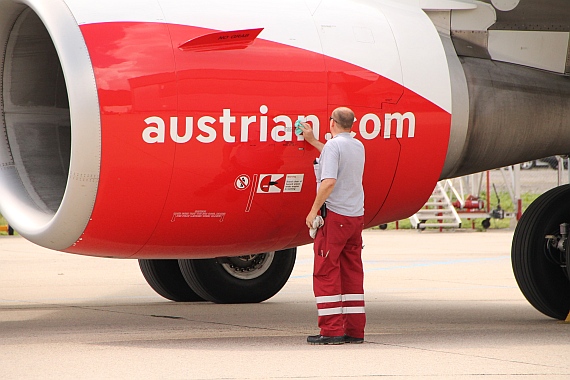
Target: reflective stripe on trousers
<point>341,298</point>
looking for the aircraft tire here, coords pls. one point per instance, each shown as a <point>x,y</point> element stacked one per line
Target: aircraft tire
<point>245,279</point>
<point>537,271</point>
<point>165,278</point>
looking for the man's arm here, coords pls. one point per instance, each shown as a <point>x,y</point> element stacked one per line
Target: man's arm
<point>325,189</point>
<point>309,137</point>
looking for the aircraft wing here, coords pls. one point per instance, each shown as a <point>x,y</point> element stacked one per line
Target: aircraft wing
<point>529,33</point>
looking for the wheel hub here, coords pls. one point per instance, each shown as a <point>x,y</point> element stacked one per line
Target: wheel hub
<point>248,267</point>
<point>558,249</point>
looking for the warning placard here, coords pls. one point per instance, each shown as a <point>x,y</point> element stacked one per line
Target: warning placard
<point>270,183</point>
<point>242,182</point>
<point>280,183</point>
<point>293,183</point>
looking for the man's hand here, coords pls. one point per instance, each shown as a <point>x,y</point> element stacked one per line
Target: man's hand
<point>310,218</point>
<point>309,136</point>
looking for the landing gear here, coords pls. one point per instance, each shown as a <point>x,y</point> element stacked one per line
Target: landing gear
<point>165,278</point>
<point>243,279</point>
<point>541,253</point>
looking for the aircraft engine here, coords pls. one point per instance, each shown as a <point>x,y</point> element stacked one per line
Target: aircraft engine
<point>164,129</point>
<point>512,114</point>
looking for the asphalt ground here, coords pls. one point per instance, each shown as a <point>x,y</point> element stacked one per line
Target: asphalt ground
<point>439,305</point>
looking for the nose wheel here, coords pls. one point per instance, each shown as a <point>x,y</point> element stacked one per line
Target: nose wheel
<point>241,279</point>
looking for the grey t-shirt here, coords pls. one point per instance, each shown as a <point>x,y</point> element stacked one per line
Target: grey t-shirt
<point>342,158</point>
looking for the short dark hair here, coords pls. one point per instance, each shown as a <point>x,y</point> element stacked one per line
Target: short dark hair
<point>344,117</point>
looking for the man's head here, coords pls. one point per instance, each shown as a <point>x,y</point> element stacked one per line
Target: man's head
<point>343,118</point>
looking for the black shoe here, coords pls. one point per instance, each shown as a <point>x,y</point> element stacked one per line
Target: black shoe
<point>350,339</point>
<point>319,339</point>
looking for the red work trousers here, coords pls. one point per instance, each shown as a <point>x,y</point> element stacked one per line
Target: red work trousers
<point>338,276</point>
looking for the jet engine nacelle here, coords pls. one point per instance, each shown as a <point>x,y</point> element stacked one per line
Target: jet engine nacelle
<point>165,129</point>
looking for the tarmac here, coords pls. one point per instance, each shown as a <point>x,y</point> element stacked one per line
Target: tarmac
<point>441,305</point>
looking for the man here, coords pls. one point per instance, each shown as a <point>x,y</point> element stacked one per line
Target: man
<point>338,275</point>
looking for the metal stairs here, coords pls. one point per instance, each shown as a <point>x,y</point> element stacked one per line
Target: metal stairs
<point>438,212</point>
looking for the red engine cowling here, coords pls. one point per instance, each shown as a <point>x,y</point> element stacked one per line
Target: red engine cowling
<point>166,130</point>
